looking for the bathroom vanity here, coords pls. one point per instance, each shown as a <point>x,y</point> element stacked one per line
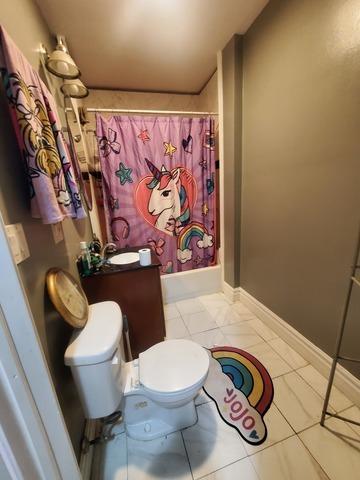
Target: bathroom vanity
<point>137,289</point>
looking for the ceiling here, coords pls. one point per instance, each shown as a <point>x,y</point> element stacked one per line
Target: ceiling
<point>148,45</point>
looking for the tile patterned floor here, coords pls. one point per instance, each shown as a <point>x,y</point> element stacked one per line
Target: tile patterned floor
<point>297,447</point>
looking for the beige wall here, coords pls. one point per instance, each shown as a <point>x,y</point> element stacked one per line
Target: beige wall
<point>23,22</point>
<point>232,106</point>
<point>301,164</point>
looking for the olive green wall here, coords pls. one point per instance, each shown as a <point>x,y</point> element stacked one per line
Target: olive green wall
<point>23,22</point>
<point>301,164</point>
<point>232,128</point>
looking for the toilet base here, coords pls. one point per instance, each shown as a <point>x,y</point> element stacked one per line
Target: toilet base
<point>146,420</point>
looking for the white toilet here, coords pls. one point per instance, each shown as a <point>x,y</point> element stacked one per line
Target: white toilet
<point>156,392</point>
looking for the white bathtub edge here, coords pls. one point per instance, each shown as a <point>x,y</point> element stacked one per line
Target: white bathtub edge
<point>193,283</point>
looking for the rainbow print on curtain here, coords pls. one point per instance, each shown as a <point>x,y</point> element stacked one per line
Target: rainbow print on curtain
<point>159,186</point>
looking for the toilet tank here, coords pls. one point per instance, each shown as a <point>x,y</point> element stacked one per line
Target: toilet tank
<point>94,356</point>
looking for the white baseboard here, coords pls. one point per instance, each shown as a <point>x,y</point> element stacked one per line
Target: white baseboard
<point>231,293</point>
<point>86,458</point>
<point>193,283</point>
<point>344,380</point>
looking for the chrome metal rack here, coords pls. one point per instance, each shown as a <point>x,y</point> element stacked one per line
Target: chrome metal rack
<point>353,281</point>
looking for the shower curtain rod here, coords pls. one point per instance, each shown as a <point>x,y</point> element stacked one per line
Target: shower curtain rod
<point>157,112</point>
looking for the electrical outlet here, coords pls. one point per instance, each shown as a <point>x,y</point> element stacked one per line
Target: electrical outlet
<point>58,232</point>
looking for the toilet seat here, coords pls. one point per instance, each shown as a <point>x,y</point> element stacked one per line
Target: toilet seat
<point>173,368</point>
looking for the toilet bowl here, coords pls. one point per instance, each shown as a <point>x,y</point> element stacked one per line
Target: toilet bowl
<point>155,392</point>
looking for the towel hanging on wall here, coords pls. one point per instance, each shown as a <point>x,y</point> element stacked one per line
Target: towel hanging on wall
<point>53,191</point>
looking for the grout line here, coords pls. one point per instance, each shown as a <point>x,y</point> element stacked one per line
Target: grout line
<point>312,456</point>
<point>328,418</point>
<point>308,383</point>
<point>127,456</point>
<point>321,395</point>
<point>286,420</point>
<point>204,331</point>
<point>278,407</point>
<point>281,358</point>
<point>347,408</point>
<point>294,368</point>
<point>272,445</point>
<point>228,465</point>
<point>309,427</point>
<point>187,455</point>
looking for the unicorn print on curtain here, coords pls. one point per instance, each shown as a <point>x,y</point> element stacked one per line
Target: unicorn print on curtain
<point>159,186</point>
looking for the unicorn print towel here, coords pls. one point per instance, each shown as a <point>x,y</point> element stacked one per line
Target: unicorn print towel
<point>53,190</point>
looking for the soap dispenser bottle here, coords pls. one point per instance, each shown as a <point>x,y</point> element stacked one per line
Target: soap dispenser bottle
<point>85,259</point>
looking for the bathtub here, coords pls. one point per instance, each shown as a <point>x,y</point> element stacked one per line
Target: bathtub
<point>182,285</point>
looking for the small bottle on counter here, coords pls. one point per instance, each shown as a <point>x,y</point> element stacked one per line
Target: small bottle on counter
<point>95,245</point>
<point>85,259</point>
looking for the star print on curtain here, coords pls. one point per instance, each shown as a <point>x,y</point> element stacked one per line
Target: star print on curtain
<point>159,186</point>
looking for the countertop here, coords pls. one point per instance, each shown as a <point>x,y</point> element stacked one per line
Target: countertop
<point>110,269</point>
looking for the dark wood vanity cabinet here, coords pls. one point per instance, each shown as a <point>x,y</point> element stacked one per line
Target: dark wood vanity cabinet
<point>137,290</point>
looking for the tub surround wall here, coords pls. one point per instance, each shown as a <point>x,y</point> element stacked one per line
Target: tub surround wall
<point>205,101</point>
<point>301,169</point>
<point>28,30</point>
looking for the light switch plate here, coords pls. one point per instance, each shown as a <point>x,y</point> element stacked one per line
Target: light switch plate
<point>58,232</point>
<point>17,241</point>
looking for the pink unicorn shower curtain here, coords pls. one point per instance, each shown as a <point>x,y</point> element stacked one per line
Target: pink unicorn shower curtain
<point>159,186</point>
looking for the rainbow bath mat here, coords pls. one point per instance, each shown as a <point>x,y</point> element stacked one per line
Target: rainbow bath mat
<point>242,390</point>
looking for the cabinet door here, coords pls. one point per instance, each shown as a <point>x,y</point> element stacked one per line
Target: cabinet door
<point>138,292</point>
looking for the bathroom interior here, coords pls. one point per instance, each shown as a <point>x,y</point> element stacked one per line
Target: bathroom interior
<point>216,338</point>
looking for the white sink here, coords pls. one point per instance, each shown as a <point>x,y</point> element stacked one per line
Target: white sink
<point>124,258</point>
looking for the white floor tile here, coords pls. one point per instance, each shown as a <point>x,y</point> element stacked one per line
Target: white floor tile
<point>202,398</point>
<point>287,353</point>
<point>113,465</point>
<point>191,305</point>
<point>241,335</point>
<point>354,414</point>
<point>216,451</point>
<point>225,316</point>
<point>338,401</point>
<point>215,300</point>
<point>199,322</point>
<point>271,360</point>
<point>163,458</point>
<point>297,401</point>
<point>287,460</point>
<point>277,427</point>
<point>336,448</point>
<point>176,328</point>
<point>241,470</point>
<point>171,311</point>
<point>263,330</point>
<point>211,444</point>
<point>210,338</point>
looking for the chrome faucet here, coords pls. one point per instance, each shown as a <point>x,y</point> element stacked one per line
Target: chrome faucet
<point>109,246</point>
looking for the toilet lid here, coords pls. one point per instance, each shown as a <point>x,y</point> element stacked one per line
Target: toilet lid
<point>173,366</point>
